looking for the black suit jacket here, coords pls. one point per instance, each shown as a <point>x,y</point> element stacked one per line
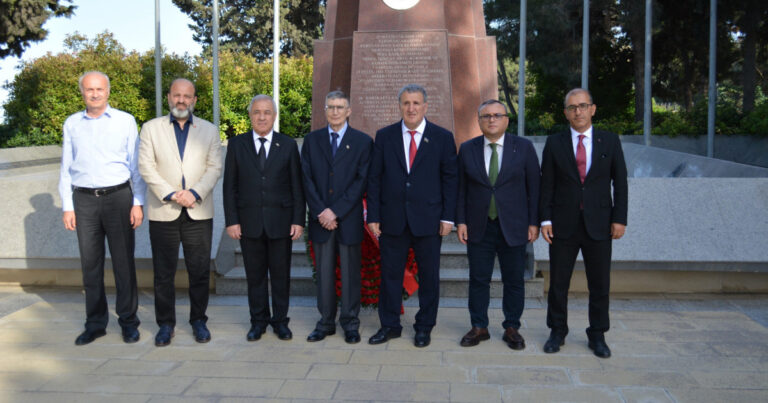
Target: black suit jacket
<point>336,182</point>
<point>516,189</point>
<point>421,198</point>
<point>267,201</point>
<point>562,192</point>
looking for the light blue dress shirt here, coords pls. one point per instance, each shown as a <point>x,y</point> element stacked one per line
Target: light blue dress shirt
<point>100,152</point>
<point>340,133</point>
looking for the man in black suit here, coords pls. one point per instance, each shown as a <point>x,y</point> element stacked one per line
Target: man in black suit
<point>264,209</point>
<point>335,162</point>
<point>411,203</point>
<point>578,169</point>
<point>497,215</point>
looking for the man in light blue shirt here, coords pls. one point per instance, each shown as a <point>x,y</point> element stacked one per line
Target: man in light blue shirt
<point>102,195</point>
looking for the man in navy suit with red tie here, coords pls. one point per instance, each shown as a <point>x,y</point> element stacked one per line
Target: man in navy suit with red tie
<point>411,203</point>
<point>497,215</point>
<point>579,169</point>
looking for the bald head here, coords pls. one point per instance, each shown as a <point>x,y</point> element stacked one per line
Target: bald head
<point>181,99</point>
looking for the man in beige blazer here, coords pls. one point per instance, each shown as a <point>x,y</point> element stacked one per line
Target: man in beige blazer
<point>180,160</point>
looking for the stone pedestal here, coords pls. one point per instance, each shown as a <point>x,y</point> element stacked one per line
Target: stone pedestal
<point>371,50</point>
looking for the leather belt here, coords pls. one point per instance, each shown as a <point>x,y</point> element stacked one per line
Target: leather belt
<point>101,191</point>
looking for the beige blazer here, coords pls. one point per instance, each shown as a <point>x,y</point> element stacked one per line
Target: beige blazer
<point>162,168</point>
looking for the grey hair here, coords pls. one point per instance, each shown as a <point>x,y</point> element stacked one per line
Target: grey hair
<point>80,80</point>
<point>182,79</point>
<point>574,92</point>
<point>411,88</point>
<point>491,102</point>
<point>336,95</point>
<point>262,97</point>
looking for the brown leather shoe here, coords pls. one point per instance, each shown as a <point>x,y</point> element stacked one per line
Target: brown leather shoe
<point>513,339</point>
<point>475,336</point>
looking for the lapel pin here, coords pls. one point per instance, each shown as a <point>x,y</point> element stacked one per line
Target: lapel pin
<point>277,144</point>
<point>347,146</point>
<point>426,140</point>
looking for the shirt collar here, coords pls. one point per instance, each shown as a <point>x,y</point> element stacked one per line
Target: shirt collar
<point>340,132</point>
<point>268,136</point>
<point>587,133</point>
<point>419,129</point>
<point>107,112</point>
<point>500,141</point>
<point>173,118</point>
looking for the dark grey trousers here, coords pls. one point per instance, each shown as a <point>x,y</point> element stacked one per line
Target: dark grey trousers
<point>349,258</point>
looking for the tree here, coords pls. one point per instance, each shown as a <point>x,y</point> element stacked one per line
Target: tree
<point>21,22</point>
<point>246,25</point>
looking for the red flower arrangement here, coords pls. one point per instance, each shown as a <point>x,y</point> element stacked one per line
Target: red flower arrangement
<point>370,270</point>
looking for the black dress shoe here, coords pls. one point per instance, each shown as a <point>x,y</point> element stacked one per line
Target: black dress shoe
<point>513,339</point>
<point>352,336</point>
<point>384,335</point>
<point>282,331</point>
<point>553,343</point>
<point>600,348</point>
<point>421,339</point>
<point>130,334</point>
<point>255,332</point>
<point>474,336</point>
<point>164,335</point>
<point>88,336</point>
<point>201,332</point>
<point>318,335</point>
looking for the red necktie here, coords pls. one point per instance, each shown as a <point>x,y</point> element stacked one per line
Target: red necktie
<point>412,150</point>
<point>581,158</point>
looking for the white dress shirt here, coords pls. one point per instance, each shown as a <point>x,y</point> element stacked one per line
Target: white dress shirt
<point>488,152</point>
<point>267,143</point>
<point>587,142</point>
<point>407,140</point>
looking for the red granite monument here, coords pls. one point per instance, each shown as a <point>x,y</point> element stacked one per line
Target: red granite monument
<point>372,48</point>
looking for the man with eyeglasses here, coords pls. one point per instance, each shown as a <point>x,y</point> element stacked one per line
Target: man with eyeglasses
<point>583,206</point>
<point>335,162</point>
<point>496,216</point>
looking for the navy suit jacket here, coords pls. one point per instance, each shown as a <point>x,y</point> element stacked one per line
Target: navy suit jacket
<point>516,189</point>
<point>421,198</point>
<point>336,182</point>
<point>562,192</point>
<point>267,201</point>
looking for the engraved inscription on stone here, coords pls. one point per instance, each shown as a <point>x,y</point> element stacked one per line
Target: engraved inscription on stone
<point>383,62</point>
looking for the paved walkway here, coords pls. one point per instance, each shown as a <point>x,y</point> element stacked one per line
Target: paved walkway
<point>682,349</point>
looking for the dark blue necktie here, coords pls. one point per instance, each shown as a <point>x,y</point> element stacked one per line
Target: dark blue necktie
<point>334,145</point>
<point>263,153</point>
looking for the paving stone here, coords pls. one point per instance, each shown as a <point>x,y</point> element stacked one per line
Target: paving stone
<point>115,384</point>
<point>469,359</point>
<point>304,389</point>
<point>751,349</point>
<point>392,391</point>
<point>462,392</point>
<point>425,373</point>
<point>561,394</point>
<point>292,355</point>
<point>48,366</point>
<point>235,387</point>
<point>705,395</point>
<point>240,369</point>
<point>344,372</point>
<point>396,357</point>
<point>523,376</point>
<point>58,397</point>
<point>135,367</point>
<point>645,395</point>
<point>732,379</point>
<point>23,381</point>
<point>619,377</point>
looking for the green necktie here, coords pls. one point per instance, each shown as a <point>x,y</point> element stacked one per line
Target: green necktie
<point>493,173</point>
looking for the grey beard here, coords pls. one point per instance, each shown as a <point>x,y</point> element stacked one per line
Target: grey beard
<point>181,114</point>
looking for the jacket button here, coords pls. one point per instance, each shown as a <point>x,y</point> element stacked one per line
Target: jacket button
<point>408,184</point>
<point>331,173</point>
<point>263,178</point>
<point>330,190</point>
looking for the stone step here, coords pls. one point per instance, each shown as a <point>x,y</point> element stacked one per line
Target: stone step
<point>452,256</point>
<point>453,283</point>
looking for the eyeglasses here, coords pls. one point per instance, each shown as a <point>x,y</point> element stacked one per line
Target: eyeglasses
<point>495,116</point>
<point>580,107</point>
<point>335,108</point>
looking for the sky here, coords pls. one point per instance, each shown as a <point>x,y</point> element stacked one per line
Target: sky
<point>132,23</point>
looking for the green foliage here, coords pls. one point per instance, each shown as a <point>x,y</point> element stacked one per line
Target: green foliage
<point>21,22</point>
<point>246,25</point>
<point>44,93</point>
